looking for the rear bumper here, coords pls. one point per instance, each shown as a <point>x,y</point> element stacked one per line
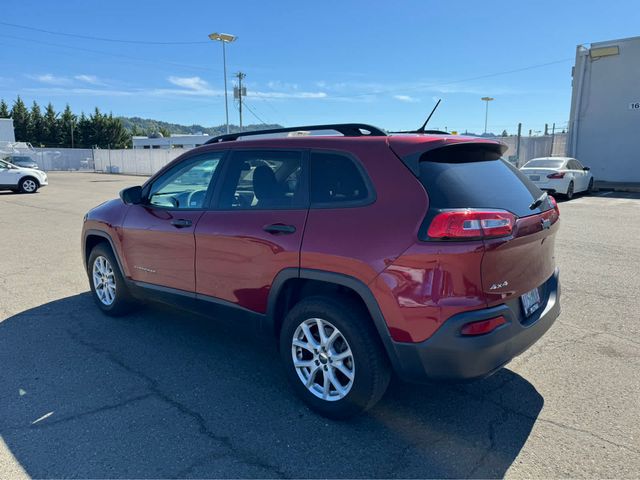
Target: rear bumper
<point>447,355</point>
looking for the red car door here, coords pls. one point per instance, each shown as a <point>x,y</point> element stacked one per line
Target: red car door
<point>255,227</point>
<point>158,235</point>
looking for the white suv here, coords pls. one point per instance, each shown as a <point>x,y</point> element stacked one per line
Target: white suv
<point>19,179</point>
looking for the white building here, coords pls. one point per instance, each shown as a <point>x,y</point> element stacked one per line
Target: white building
<point>174,141</point>
<point>605,109</point>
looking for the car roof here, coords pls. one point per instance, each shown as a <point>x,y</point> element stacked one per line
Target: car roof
<point>402,144</point>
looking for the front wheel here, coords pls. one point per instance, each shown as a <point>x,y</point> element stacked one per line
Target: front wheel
<point>28,185</point>
<point>333,356</point>
<point>109,289</point>
<point>590,187</point>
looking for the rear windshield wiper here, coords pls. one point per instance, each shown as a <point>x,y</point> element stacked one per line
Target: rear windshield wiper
<point>538,201</point>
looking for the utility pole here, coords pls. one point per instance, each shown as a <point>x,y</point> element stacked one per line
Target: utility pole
<point>486,111</point>
<point>518,145</point>
<point>239,92</point>
<point>553,136</point>
<point>224,38</point>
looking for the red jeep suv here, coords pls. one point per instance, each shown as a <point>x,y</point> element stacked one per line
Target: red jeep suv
<point>359,253</point>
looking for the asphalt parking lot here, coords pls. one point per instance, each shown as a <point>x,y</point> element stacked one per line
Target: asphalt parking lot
<point>162,393</point>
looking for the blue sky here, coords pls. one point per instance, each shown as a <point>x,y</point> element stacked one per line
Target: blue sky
<point>371,61</point>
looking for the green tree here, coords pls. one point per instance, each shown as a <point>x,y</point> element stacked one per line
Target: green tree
<point>164,131</point>
<point>67,125</point>
<point>81,132</point>
<point>114,132</point>
<point>52,131</point>
<point>36,125</point>
<point>504,133</point>
<point>4,110</point>
<point>20,116</point>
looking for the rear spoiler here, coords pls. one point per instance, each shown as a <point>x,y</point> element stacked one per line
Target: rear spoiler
<point>463,151</point>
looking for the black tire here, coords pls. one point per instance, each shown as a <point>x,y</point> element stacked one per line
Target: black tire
<point>371,367</point>
<point>569,194</point>
<point>28,185</point>
<point>590,187</point>
<point>123,302</point>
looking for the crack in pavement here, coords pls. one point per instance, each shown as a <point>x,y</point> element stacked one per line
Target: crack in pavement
<point>244,457</point>
<point>545,420</point>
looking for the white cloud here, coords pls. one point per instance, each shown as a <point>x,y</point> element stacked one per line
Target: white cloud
<point>90,79</point>
<point>50,79</point>
<point>191,83</point>
<point>405,98</point>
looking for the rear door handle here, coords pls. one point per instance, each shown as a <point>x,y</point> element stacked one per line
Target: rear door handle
<point>279,229</point>
<point>181,223</point>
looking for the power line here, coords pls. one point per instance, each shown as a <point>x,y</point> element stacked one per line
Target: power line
<point>100,39</point>
<point>88,50</point>
<point>444,84</point>
<point>254,113</point>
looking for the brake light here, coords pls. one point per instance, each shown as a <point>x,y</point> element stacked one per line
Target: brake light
<point>483,326</point>
<point>556,175</point>
<point>554,204</point>
<point>455,224</point>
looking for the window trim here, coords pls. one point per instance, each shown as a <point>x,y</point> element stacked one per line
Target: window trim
<point>210,188</point>
<point>371,197</point>
<point>215,203</point>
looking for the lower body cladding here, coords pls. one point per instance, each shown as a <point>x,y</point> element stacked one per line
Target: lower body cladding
<point>449,355</point>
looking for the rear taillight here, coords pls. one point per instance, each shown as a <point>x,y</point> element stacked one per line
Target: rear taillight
<point>461,224</point>
<point>556,175</point>
<point>554,204</point>
<point>482,327</point>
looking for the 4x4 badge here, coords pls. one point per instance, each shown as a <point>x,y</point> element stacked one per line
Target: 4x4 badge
<point>496,286</point>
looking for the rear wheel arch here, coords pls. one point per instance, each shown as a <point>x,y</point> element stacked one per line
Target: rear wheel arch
<point>292,285</point>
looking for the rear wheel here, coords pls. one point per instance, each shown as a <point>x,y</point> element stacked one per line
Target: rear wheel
<point>109,289</point>
<point>333,356</point>
<point>28,185</point>
<point>569,193</point>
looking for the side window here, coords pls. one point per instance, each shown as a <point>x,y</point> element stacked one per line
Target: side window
<point>571,165</point>
<point>185,185</point>
<point>335,179</point>
<point>577,165</point>
<point>263,179</point>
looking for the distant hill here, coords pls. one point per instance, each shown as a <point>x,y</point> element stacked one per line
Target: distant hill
<point>145,126</point>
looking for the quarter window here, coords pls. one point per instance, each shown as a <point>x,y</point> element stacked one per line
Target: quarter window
<point>335,179</point>
<point>259,179</point>
<point>185,186</point>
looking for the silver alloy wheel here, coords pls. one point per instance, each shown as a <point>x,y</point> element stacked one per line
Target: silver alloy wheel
<point>29,185</point>
<point>104,280</point>
<point>323,359</point>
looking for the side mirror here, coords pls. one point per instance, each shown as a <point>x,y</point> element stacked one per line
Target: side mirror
<point>132,195</point>
<point>586,169</point>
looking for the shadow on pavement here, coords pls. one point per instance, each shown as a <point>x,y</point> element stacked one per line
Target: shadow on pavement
<point>162,393</point>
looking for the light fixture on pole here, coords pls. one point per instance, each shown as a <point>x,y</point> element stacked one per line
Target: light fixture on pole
<point>224,38</point>
<point>486,111</point>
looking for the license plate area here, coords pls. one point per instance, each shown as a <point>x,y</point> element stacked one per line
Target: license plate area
<point>530,302</point>
<point>534,178</point>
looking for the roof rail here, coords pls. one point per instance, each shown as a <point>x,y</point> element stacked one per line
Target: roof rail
<point>346,129</point>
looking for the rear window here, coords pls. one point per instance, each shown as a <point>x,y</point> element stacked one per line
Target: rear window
<point>471,176</point>
<point>544,164</point>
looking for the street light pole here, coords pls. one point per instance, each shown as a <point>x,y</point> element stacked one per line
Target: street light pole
<point>224,38</point>
<point>486,111</point>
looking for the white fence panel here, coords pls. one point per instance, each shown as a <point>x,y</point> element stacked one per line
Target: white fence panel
<point>134,161</point>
